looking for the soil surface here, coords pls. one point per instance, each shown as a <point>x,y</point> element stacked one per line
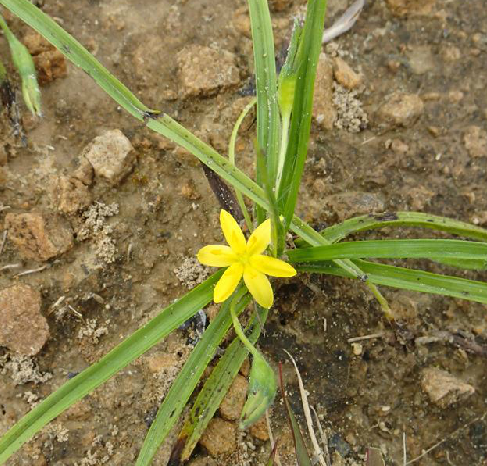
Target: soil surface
<point>110,241</point>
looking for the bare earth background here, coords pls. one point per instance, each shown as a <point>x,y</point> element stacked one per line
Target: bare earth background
<point>114,222</point>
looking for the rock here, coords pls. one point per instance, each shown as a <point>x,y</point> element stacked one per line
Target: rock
<point>188,190</point>
<point>345,75</point>
<point>70,194</point>
<point>50,62</point>
<point>219,437</point>
<point>157,363</point>
<point>204,71</point>
<point>259,430</point>
<point>324,112</point>
<point>442,388</point>
<point>37,236</point>
<point>84,172</point>
<point>279,5</point>
<point>111,156</point>
<point>403,8</point>
<point>404,309</point>
<point>455,97</point>
<point>400,110</point>
<point>24,329</point>
<point>475,140</point>
<point>232,404</point>
<point>450,53</point>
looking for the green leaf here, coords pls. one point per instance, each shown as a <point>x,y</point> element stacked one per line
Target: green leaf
<point>414,280</point>
<point>266,85</point>
<point>186,381</point>
<point>397,219</point>
<point>25,66</point>
<point>118,358</point>
<point>217,385</point>
<point>434,249</point>
<point>307,59</point>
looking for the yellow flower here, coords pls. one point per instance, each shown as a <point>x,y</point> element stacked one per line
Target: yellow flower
<point>244,259</point>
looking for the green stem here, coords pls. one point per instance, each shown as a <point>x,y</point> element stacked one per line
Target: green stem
<point>231,156</point>
<point>238,328</point>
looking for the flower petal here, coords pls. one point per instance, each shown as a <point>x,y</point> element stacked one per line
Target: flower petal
<point>271,266</point>
<point>259,287</point>
<point>232,232</point>
<point>216,256</point>
<point>227,284</point>
<point>260,238</point>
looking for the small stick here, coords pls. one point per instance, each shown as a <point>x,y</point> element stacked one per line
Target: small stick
<point>324,438</point>
<point>10,266</point>
<point>28,272</point>
<point>4,238</point>
<point>307,415</point>
<point>344,23</point>
<point>365,337</point>
<point>404,452</point>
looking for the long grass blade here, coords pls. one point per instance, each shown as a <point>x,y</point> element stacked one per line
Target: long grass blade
<point>187,379</point>
<point>434,249</point>
<point>297,149</point>
<point>266,85</point>
<point>119,357</point>
<point>407,219</point>
<point>414,280</point>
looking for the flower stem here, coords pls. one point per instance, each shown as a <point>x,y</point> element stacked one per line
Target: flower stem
<point>231,156</point>
<point>238,328</point>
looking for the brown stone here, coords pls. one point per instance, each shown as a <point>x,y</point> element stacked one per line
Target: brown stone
<point>279,5</point>
<point>84,172</point>
<point>232,404</point>
<point>70,194</point>
<point>50,62</point>
<point>204,71</point>
<point>442,388</point>
<point>400,110</point>
<point>259,430</point>
<point>219,437</point>
<point>111,155</point>
<point>24,329</point>
<point>324,112</point>
<point>344,75</point>
<point>403,8</point>
<point>475,140</point>
<point>37,236</point>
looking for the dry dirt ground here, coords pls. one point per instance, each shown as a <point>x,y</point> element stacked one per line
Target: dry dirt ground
<point>109,248</point>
